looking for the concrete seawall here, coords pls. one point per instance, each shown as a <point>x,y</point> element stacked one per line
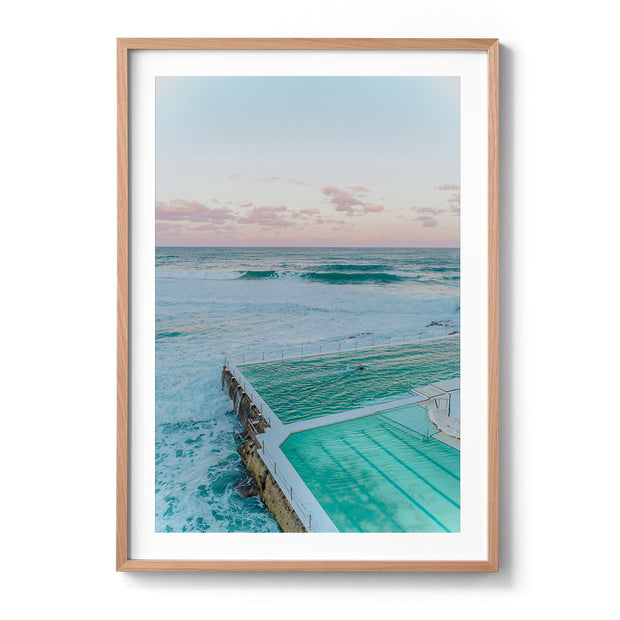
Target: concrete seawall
<point>253,425</point>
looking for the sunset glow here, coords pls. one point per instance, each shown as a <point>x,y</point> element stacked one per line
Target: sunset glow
<point>307,161</point>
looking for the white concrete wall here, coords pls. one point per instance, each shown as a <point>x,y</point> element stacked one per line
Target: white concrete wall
<point>455,404</point>
<point>559,239</point>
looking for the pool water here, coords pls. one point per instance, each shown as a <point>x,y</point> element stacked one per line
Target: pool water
<point>376,474</point>
<point>301,389</point>
<point>413,417</point>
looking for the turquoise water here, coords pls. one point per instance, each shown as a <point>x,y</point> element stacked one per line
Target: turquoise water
<point>413,417</point>
<point>387,399</point>
<point>302,389</point>
<point>214,304</point>
<point>373,474</point>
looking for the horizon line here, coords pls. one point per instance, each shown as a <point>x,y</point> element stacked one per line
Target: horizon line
<point>340,247</point>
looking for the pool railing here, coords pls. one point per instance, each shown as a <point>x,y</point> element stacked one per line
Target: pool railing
<point>348,345</point>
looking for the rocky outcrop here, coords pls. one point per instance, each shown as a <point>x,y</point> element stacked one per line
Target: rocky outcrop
<point>253,425</point>
<point>269,491</point>
<point>247,487</point>
<point>242,403</point>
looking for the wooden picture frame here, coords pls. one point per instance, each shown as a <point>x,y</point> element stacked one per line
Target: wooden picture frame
<point>123,560</point>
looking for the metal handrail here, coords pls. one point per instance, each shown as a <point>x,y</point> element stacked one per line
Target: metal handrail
<point>287,489</point>
<point>255,397</point>
<point>305,352</point>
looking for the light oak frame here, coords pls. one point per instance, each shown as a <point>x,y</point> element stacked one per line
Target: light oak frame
<point>123,562</point>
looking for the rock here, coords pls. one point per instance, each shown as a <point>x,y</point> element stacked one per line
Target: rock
<point>266,487</point>
<point>247,487</point>
<point>271,494</point>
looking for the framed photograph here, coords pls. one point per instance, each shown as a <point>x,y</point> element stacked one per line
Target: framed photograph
<point>307,305</point>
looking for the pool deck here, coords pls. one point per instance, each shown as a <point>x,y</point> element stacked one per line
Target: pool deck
<point>301,499</point>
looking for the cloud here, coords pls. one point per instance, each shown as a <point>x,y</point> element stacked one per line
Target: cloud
<point>360,188</point>
<point>269,217</point>
<point>428,210</point>
<point>309,211</point>
<point>455,204</point>
<point>245,205</point>
<point>427,215</point>
<point>455,200</point>
<point>346,201</point>
<point>427,220</point>
<point>341,199</point>
<point>191,211</point>
<point>230,230</point>
<point>168,227</point>
<point>297,182</point>
<point>347,228</point>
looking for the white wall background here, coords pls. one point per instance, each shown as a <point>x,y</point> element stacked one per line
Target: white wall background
<point>559,235</point>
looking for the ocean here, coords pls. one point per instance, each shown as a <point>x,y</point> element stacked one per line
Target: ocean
<point>214,304</point>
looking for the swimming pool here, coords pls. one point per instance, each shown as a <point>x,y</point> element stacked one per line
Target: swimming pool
<point>301,389</point>
<point>380,473</point>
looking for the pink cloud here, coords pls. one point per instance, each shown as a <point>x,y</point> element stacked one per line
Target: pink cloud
<point>455,204</point>
<point>427,220</point>
<point>164,227</point>
<point>190,211</point>
<point>360,188</point>
<point>455,200</point>
<point>270,209</point>
<point>341,199</point>
<point>428,210</point>
<point>309,211</point>
<point>247,204</point>
<point>345,201</point>
<point>266,216</point>
<point>207,227</point>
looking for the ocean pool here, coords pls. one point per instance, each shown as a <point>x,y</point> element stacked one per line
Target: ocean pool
<point>376,474</point>
<point>306,388</point>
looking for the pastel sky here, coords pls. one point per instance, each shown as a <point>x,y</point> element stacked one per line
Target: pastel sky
<point>307,161</point>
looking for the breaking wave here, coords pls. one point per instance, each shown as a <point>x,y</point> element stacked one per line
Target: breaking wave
<point>328,278</point>
<point>355,276</point>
